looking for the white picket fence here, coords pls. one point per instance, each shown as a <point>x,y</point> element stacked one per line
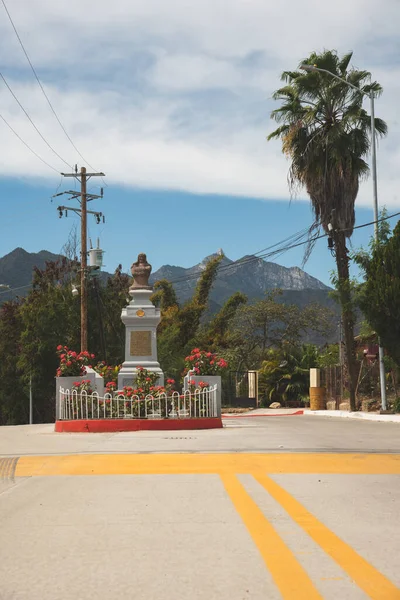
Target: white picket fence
<point>202,403</point>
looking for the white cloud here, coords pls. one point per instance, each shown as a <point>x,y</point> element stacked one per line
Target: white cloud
<point>176,94</point>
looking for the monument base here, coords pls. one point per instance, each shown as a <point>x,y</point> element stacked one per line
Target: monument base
<point>140,318</point>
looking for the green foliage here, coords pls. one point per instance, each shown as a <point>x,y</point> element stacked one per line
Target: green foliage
<point>379,295</point>
<point>284,375</point>
<point>328,356</point>
<point>271,324</point>
<point>180,324</point>
<point>217,333</point>
<point>13,392</point>
<point>325,132</point>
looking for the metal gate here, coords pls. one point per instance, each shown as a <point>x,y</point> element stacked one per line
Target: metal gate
<point>240,389</point>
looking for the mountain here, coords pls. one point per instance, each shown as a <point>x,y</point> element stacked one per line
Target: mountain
<point>251,275</point>
<point>16,270</point>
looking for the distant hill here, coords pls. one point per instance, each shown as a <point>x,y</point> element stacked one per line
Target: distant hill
<point>16,270</point>
<point>250,275</point>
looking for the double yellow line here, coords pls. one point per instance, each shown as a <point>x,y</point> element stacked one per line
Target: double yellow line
<point>289,576</point>
<point>291,579</point>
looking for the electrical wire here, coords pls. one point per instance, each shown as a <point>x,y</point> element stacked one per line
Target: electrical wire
<point>251,259</point>
<point>31,121</point>
<point>15,289</point>
<point>27,145</point>
<point>41,86</point>
<point>258,255</point>
<point>277,252</point>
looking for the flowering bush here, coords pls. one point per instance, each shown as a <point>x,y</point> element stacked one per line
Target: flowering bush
<point>145,385</point>
<point>83,386</point>
<point>204,363</point>
<point>108,372</point>
<point>72,363</point>
<point>200,385</point>
<point>111,386</point>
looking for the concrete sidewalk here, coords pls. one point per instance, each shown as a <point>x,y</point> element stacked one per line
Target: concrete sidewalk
<point>354,415</point>
<point>290,412</point>
<point>265,412</point>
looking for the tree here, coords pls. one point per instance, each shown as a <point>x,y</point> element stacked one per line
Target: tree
<point>325,133</point>
<point>285,374</point>
<point>13,395</point>
<point>180,324</point>
<point>269,323</point>
<point>217,334</point>
<point>379,295</point>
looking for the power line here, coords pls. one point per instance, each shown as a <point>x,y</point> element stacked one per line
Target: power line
<point>251,259</point>
<point>278,251</point>
<point>41,86</point>
<point>27,115</point>
<point>258,255</point>
<point>27,145</point>
<point>15,289</point>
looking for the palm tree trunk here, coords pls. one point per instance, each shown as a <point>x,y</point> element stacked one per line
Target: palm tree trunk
<point>342,263</point>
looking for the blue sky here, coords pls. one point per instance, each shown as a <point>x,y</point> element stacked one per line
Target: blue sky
<point>172,101</point>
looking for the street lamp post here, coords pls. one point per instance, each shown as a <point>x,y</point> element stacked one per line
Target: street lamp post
<point>313,68</point>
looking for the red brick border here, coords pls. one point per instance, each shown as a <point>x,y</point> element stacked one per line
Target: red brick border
<point>114,425</point>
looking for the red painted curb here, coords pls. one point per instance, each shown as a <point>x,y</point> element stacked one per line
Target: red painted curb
<point>298,412</point>
<point>114,425</point>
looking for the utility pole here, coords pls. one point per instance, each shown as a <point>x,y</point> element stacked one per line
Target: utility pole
<point>30,401</point>
<point>83,197</point>
<point>84,326</point>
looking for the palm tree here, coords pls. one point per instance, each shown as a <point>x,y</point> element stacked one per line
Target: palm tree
<point>325,132</point>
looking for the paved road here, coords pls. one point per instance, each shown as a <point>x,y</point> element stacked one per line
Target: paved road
<point>298,508</point>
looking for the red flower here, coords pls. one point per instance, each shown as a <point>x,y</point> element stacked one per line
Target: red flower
<point>197,370</point>
<point>195,350</point>
<point>108,401</point>
<point>212,362</point>
<point>148,379</point>
<point>208,354</point>
<point>92,356</point>
<point>59,347</point>
<point>170,381</point>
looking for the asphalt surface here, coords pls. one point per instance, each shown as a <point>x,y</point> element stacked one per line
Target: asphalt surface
<point>297,507</point>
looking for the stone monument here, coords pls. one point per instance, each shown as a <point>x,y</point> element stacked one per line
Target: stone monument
<point>140,318</point>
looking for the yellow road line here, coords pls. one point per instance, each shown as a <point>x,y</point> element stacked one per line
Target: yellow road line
<point>138,464</point>
<point>369,579</point>
<point>289,576</point>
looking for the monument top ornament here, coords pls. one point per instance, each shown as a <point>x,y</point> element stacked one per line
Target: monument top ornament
<point>141,272</point>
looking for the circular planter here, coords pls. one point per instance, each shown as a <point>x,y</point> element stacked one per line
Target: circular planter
<point>114,425</point>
